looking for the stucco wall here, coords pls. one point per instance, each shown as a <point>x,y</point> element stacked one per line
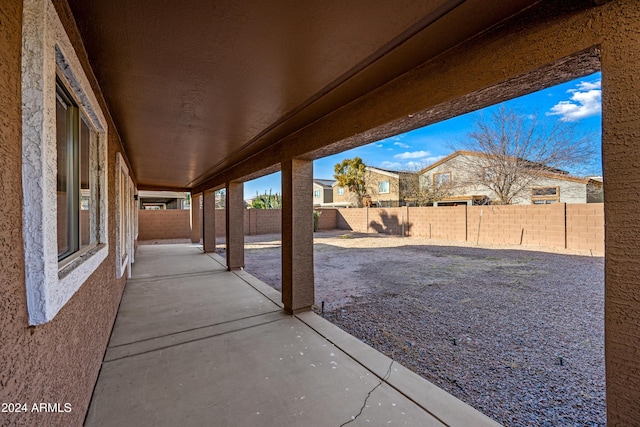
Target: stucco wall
<point>464,172</point>
<point>373,178</point>
<point>58,361</point>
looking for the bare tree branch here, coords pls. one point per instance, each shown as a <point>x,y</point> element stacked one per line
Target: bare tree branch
<point>515,151</point>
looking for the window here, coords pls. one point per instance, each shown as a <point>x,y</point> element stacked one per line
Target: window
<point>65,206</point>
<point>75,203</point>
<point>340,191</point>
<point>316,194</point>
<point>441,178</point>
<point>124,218</point>
<point>545,195</point>
<point>544,191</point>
<point>383,187</point>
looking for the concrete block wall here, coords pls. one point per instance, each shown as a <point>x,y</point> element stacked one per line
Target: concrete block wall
<point>164,224</point>
<point>446,222</point>
<point>387,220</point>
<point>262,221</point>
<point>538,225</point>
<point>328,219</point>
<point>352,219</point>
<point>585,227</point>
<point>580,228</point>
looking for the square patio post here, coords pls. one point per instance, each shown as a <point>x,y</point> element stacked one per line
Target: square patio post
<point>297,235</point>
<point>620,55</point>
<point>235,225</point>
<point>196,218</point>
<point>209,218</point>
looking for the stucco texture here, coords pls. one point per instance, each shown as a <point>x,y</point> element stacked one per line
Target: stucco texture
<point>59,361</point>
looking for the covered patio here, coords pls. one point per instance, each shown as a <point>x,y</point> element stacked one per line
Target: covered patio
<point>198,96</point>
<point>195,344</point>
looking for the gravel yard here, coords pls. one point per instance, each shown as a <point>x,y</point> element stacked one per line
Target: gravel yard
<point>515,332</point>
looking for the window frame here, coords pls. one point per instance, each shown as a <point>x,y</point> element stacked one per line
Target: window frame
<point>124,218</point>
<point>388,190</point>
<point>435,184</point>
<point>545,199</point>
<point>74,220</point>
<point>340,191</point>
<point>48,53</point>
<point>316,194</point>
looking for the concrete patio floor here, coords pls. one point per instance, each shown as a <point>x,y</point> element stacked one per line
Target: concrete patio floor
<point>196,345</point>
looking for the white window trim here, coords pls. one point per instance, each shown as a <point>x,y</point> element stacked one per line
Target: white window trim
<point>388,187</point>
<point>45,47</point>
<point>123,261</point>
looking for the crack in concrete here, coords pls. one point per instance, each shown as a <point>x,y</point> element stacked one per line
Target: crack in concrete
<point>364,404</point>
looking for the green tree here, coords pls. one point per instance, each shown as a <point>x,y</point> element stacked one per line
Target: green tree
<point>267,201</point>
<point>351,174</point>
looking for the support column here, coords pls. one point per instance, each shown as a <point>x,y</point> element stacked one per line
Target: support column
<point>196,218</point>
<point>209,219</point>
<point>297,235</point>
<point>620,55</point>
<point>235,225</point>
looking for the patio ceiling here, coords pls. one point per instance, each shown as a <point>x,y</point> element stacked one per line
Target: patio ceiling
<point>196,86</point>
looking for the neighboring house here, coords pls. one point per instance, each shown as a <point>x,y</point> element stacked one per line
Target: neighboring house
<point>459,171</point>
<point>385,188</point>
<point>322,192</point>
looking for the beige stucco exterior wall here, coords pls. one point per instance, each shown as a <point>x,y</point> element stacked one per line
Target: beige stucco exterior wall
<point>459,167</point>
<point>326,194</point>
<point>374,177</point>
<point>346,197</point>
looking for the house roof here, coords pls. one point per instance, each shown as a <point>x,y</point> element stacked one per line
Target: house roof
<point>324,182</point>
<point>392,173</point>
<point>553,173</point>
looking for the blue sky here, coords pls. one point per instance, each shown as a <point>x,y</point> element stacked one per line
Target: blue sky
<point>577,101</point>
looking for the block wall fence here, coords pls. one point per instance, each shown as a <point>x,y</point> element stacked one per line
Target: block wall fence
<point>176,224</point>
<point>560,225</point>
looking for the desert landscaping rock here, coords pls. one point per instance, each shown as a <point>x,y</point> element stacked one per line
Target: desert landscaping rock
<point>515,332</point>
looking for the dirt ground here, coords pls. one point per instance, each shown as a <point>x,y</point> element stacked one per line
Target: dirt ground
<point>516,332</point>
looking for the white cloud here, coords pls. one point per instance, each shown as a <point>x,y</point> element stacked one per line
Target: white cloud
<point>413,155</point>
<point>585,102</point>
<point>411,165</point>
<point>379,145</point>
<point>583,86</point>
<point>428,160</point>
<point>401,144</point>
<point>391,165</point>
